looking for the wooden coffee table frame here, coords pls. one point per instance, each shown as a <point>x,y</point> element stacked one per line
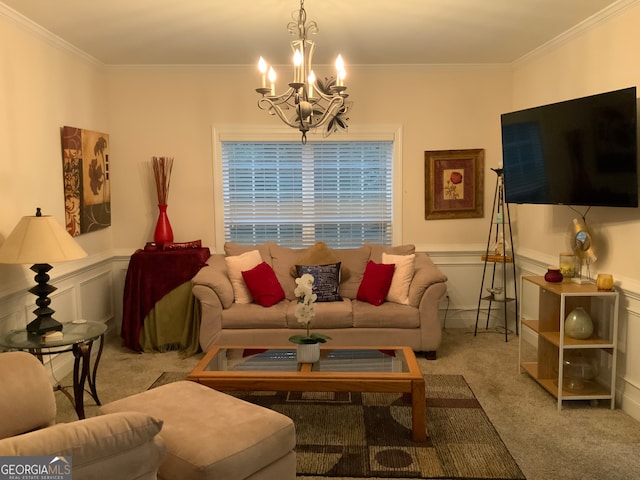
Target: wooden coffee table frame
<point>306,380</point>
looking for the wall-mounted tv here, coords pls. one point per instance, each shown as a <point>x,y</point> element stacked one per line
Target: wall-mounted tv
<point>581,152</point>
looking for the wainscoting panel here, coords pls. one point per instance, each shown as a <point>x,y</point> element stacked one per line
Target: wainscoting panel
<point>97,297</point>
<point>460,308</point>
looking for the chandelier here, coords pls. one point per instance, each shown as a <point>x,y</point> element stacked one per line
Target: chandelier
<point>308,103</point>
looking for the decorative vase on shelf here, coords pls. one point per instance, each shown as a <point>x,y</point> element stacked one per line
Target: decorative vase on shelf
<point>163,232</point>
<point>578,324</point>
<point>568,265</point>
<point>604,282</point>
<point>308,352</point>
<point>553,275</point>
<point>580,368</point>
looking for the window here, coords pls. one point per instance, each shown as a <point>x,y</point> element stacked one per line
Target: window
<point>341,192</point>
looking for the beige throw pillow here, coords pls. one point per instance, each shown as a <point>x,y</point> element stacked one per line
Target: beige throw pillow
<point>236,265</point>
<point>402,276</point>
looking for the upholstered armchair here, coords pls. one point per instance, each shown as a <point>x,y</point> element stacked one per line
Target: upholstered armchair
<point>122,445</point>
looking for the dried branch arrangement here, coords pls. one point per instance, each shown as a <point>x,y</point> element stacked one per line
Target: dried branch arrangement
<point>162,171</point>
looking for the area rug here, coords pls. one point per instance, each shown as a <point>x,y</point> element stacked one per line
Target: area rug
<point>365,435</point>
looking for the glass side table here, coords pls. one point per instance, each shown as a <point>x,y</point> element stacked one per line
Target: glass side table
<point>77,338</point>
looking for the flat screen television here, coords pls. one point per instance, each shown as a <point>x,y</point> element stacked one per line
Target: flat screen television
<point>579,152</point>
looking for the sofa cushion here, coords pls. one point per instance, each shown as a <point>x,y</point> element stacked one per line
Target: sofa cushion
<point>235,266</point>
<point>320,254</point>
<point>281,260</point>
<point>387,315</point>
<point>376,283</point>
<point>378,250</point>
<point>263,284</point>
<point>355,259</point>
<point>326,284</point>
<point>212,435</point>
<point>252,315</point>
<point>232,249</point>
<point>87,441</point>
<point>402,276</point>
<point>327,315</point>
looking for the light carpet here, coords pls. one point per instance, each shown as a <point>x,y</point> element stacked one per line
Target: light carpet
<point>363,435</point>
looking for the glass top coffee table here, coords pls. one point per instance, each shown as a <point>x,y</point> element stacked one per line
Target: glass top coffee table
<point>340,369</point>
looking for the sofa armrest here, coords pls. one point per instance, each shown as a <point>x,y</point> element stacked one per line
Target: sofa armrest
<point>120,445</point>
<point>215,276</point>
<point>426,274</point>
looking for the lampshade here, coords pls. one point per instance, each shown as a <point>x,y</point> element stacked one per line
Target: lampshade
<point>39,239</point>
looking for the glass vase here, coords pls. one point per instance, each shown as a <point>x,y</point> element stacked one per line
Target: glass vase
<point>578,324</point>
<point>580,368</point>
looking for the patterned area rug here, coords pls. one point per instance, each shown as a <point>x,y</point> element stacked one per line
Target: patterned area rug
<point>364,435</point>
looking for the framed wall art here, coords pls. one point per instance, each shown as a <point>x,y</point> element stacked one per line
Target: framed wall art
<point>454,184</point>
<point>87,192</point>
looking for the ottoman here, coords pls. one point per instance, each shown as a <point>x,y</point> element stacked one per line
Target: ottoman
<point>212,435</point>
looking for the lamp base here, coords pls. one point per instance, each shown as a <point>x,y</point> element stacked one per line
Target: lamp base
<point>44,321</point>
<point>42,325</point>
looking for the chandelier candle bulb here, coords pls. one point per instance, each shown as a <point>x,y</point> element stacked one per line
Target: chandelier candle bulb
<point>297,63</point>
<point>312,80</point>
<point>340,73</point>
<point>262,67</point>
<point>272,79</point>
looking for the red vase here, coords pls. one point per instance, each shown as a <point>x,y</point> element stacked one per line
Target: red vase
<point>163,232</point>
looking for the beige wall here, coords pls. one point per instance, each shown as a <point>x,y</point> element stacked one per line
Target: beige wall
<point>42,88</point>
<point>170,111</point>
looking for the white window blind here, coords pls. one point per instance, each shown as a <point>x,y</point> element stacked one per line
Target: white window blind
<point>295,195</point>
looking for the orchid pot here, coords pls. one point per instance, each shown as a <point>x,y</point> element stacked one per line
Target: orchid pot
<point>308,346</point>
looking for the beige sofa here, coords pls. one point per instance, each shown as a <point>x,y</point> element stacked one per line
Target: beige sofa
<point>349,321</point>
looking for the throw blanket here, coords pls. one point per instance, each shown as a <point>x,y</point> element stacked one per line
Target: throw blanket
<point>151,276</point>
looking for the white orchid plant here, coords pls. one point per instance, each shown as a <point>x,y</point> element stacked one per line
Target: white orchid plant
<point>305,310</point>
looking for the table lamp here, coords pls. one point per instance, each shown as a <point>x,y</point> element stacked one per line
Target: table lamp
<point>40,239</point>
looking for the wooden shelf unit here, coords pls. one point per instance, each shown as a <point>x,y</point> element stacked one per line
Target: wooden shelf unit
<point>555,302</point>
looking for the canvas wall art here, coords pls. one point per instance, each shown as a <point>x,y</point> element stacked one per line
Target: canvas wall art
<point>87,192</point>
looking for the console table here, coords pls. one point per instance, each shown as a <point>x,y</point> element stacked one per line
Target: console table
<point>159,310</point>
<point>78,337</point>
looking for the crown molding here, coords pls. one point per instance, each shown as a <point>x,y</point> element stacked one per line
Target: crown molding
<point>51,39</point>
<point>599,18</point>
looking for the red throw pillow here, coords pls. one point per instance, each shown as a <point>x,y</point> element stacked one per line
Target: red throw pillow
<point>263,285</point>
<point>376,282</point>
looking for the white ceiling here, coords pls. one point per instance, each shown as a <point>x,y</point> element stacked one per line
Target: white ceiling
<point>365,32</point>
